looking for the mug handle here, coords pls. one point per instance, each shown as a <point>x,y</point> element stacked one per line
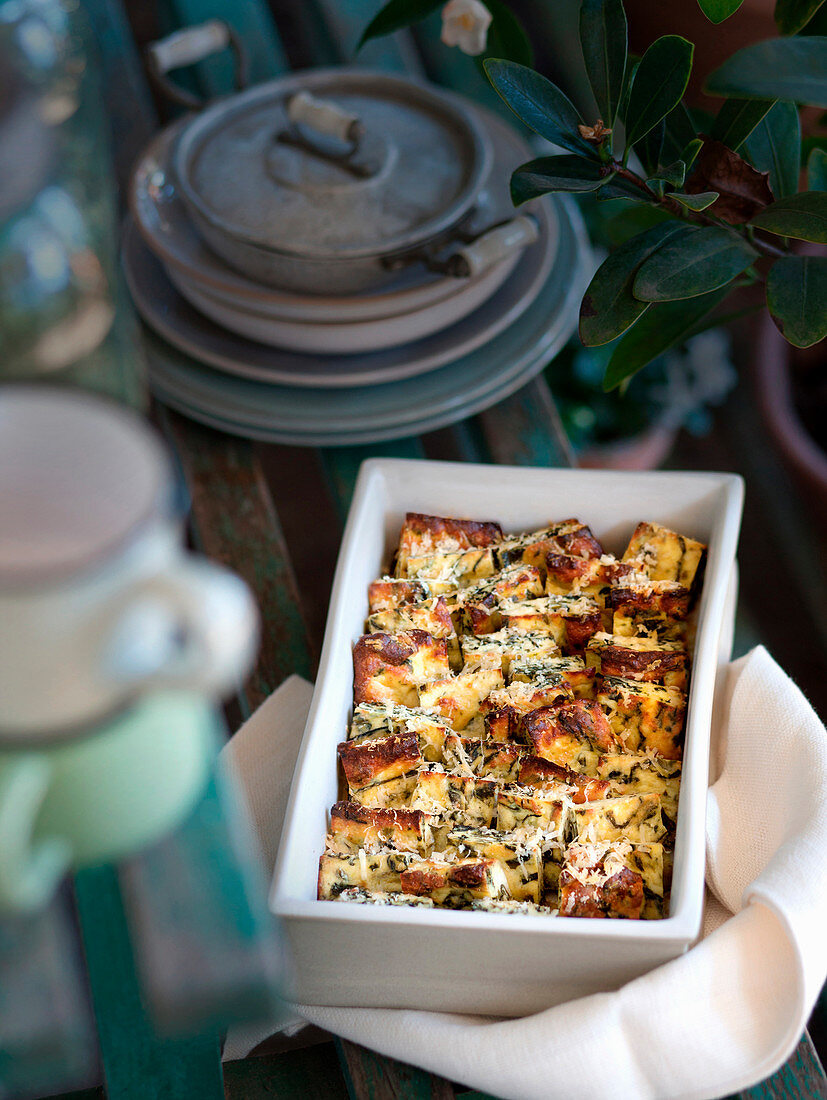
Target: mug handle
<point>194,627</point>
<point>29,870</point>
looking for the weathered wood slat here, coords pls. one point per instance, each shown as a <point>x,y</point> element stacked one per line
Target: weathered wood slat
<point>525,430</point>
<point>342,465</point>
<point>235,523</point>
<point>137,1063</point>
<point>312,1073</point>
<point>801,1077</point>
<point>372,1076</point>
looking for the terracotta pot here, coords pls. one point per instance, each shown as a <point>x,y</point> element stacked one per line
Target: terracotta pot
<point>802,455</point>
<point>640,452</point>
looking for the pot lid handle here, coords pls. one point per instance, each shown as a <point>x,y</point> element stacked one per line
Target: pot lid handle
<point>188,46</point>
<point>324,117</point>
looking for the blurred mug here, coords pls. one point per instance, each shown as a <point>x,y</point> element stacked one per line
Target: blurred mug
<point>113,640</point>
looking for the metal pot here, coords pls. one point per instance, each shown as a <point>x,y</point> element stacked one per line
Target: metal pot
<point>329,181</point>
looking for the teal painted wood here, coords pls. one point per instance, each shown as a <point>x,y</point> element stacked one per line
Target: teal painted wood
<point>255,26</point>
<point>525,429</point>
<point>342,465</point>
<point>204,940</point>
<point>138,1065</point>
<point>46,1027</point>
<point>344,24</point>
<point>801,1077</point>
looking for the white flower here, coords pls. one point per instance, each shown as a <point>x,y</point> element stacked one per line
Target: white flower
<point>465,24</point>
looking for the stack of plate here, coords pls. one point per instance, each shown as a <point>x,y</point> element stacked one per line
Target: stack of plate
<point>413,355</point>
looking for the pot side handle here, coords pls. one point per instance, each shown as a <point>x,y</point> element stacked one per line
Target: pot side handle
<point>188,46</point>
<point>492,246</point>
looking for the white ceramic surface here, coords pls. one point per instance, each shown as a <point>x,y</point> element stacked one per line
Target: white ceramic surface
<point>166,228</point>
<point>166,311</point>
<point>99,601</point>
<point>488,963</point>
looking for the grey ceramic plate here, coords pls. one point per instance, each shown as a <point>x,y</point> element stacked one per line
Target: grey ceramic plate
<point>168,312</point>
<point>470,383</point>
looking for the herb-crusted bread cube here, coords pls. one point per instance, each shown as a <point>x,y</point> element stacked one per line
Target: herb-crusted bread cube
<point>504,709</point>
<point>572,670</point>
<point>353,826</point>
<point>508,905</point>
<point>388,668</point>
<point>423,535</point>
<point>431,616</point>
<point>506,646</point>
<point>365,897</point>
<point>596,881</point>
<point>571,733</point>
<point>367,762</point>
<point>373,721</point>
<point>456,885</point>
<point>373,871</point>
<point>641,600</point>
<point>644,716</point>
<point>478,607</point>
<point>520,859</point>
<point>633,817</point>
<point>388,593</point>
<point>486,759</point>
<point>459,569</point>
<point>519,808</point>
<point>631,773</point>
<point>459,698</point>
<point>552,779</point>
<point>638,658</point>
<point>567,574</point>
<point>664,555</point>
<point>461,799</point>
<point>570,620</point>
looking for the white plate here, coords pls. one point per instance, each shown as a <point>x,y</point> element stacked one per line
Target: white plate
<point>166,228</point>
<point>166,311</point>
<point>470,383</point>
<point>486,963</point>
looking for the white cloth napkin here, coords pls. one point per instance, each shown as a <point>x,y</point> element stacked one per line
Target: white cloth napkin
<point>714,1021</point>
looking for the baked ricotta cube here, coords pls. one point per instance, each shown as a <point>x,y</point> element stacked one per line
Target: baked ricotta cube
<point>505,708</point>
<point>353,826</point>
<point>387,593</point>
<point>597,881</point>
<point>458,698</point>
<point>556,781</point>
<point>664,555</point>
<point>638,658</point>
<point>373,721</point>
<point>505,646</point>
<point>521,860</point>
<point>633,817</point>
<point>365,897</point>
<point>388,668</point>
<point>373,871</point>
<point>456,885</point>
<point>478,607</point>
<point>571,670</point>
<point>423,535</point>
<point>456,799</point>
<point>370,765</point>
<point>571,734</point>
<point>487,759</point>
<point>570,620</point>
<point>644,716</point>
<point>633,773</point>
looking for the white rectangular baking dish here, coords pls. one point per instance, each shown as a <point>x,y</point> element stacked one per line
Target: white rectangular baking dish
<point>344,954</point>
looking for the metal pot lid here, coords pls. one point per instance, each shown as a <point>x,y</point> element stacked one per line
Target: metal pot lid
<point>334,163</point>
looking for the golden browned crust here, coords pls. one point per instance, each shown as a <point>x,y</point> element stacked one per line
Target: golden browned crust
<point>565,572</point>
<point>353,826</point>
<point>576,720</point>
<point>388,593</point>
<point>536,772</point>
<point>422,535</point>
<point>667,597</point>
<point>653,666</point>
<point>620,896</point>
<point>387,667</point>
<point>343,812</point>
<point>366,762</point>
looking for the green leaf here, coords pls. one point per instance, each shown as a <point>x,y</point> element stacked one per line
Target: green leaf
<point>649,147</point>
<point>780,68</point>
<point>603,37</point>
<point>678,131</point>
<point>690,153</point>
<point>695,202</point>
<point>692,263</point>
<point>717,11</point>
<point>774,146</point>
<point>561,173</point>
<point>506,35</point>
<point>659,84</point>
<point>673,174</point>
<point>737,119</point>
<point>802,216</point>
<point>540,104</point>
<point>792,15</point>
<point>395,15</point>
<point>662,326</point>
<point>797,298</point>
<point>609,307</point>
<point>817,170</point>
